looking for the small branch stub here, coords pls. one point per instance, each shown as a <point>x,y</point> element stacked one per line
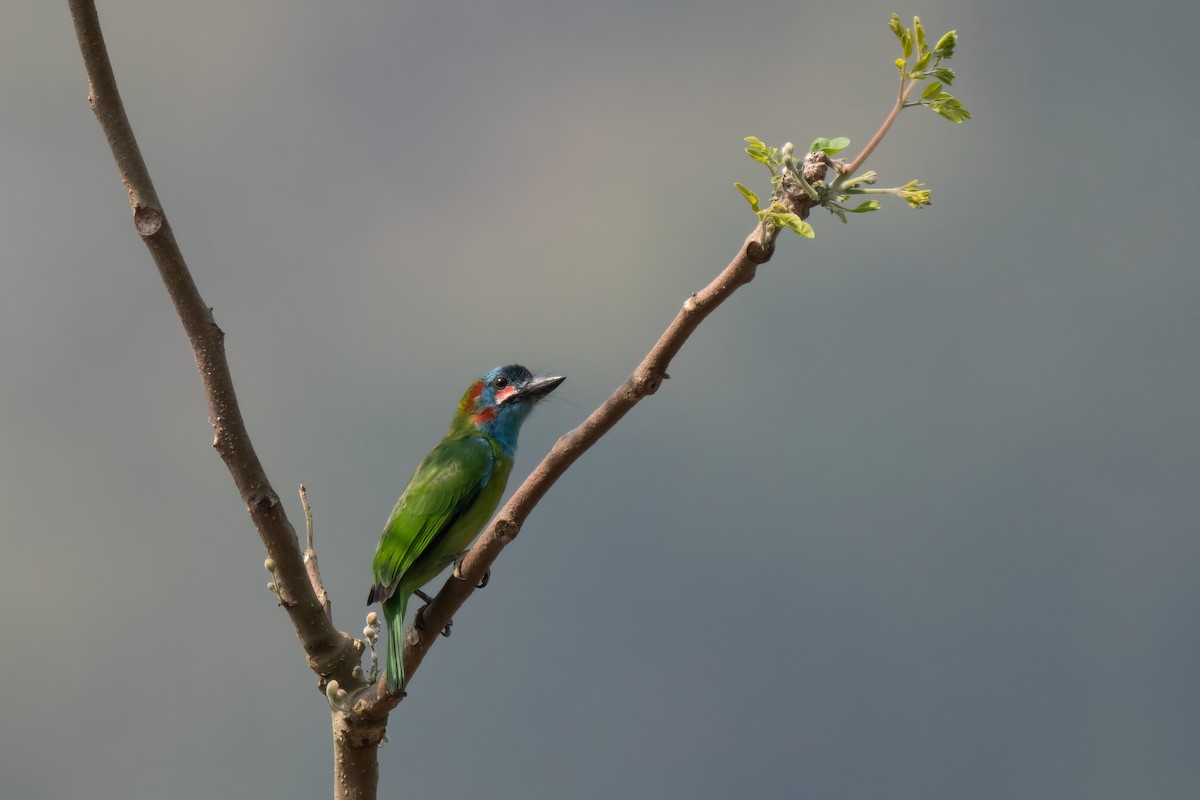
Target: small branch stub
<point>310,556</point>
<point>148,221</point>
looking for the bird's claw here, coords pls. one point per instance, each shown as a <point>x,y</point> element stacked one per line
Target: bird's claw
<point>419,617</point>
<point>487,575</point>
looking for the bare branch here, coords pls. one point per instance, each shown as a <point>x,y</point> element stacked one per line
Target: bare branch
<point>645,381</point>
<point>329,651</point>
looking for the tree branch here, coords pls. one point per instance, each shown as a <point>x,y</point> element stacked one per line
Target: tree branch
<point>332,654</point>
<point>329,651</point>
<point>645,381</point>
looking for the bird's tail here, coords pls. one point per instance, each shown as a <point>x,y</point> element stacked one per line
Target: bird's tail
<point>393,612</point>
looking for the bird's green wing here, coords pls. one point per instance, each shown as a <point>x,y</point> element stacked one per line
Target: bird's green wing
<point>443,488</point>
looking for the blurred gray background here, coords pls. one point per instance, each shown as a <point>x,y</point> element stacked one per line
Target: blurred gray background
<point>915,517</point>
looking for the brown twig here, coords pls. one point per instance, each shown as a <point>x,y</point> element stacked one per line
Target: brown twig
<point>853,166</point>
<point>310,556</point>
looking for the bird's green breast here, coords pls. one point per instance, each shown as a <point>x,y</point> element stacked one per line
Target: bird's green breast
<point>450,543</point>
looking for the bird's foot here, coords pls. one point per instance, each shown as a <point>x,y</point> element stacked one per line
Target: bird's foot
<point>419,617</point>
<point>487,576</point>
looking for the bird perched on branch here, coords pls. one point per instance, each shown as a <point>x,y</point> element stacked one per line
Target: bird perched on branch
<point>452,495</point>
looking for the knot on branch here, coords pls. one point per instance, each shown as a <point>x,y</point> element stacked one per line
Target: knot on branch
<point>507,529</point>
<point>759,253</point>
<point>814,166</point>
<point>262,503</point>
<point>646,385</point>
<point>148,221</point>
<point>801,205</point>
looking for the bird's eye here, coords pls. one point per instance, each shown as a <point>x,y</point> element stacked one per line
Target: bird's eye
<point>500,382</point>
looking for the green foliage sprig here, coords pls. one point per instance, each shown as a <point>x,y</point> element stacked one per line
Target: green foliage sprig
<point>928,65</point>
<point>798,185</point>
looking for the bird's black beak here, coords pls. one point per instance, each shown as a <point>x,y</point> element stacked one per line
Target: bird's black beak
<point>536,388</point>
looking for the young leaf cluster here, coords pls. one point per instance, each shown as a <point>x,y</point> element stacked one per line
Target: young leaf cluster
<point>928,66</point>
<point>777,214</point>
<point>794,190</point>
<point>800,184</point>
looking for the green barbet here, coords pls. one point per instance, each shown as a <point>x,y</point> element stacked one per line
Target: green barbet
<point>452,495</point>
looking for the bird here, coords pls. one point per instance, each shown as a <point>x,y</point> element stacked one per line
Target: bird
<point>452,495</point>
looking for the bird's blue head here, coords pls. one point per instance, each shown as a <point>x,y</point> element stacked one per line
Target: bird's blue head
<point>499,402</point>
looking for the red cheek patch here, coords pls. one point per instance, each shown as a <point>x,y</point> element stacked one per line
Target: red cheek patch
<point>505,393</point>
<point>487,415</point>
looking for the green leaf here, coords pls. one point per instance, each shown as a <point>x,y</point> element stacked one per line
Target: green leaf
<point>943,74</point>
<point>750,196</point>
<point>923,61</point>
<point>896,27</point>
<point>757,149</point>
<point>837,145</point>
<point>920,31</point>
<point>829,146</point>
<point>950,107</point>
<point>864,207</point>
<point>931,90</point>
<point>906,43</point>
<point>945,46</point>
<point>775,209</point>
<point>955,114</point>
<point>793,223</point>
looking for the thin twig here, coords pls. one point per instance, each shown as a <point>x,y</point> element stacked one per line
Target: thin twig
<point>879,134</point>
<point>310,557</point>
